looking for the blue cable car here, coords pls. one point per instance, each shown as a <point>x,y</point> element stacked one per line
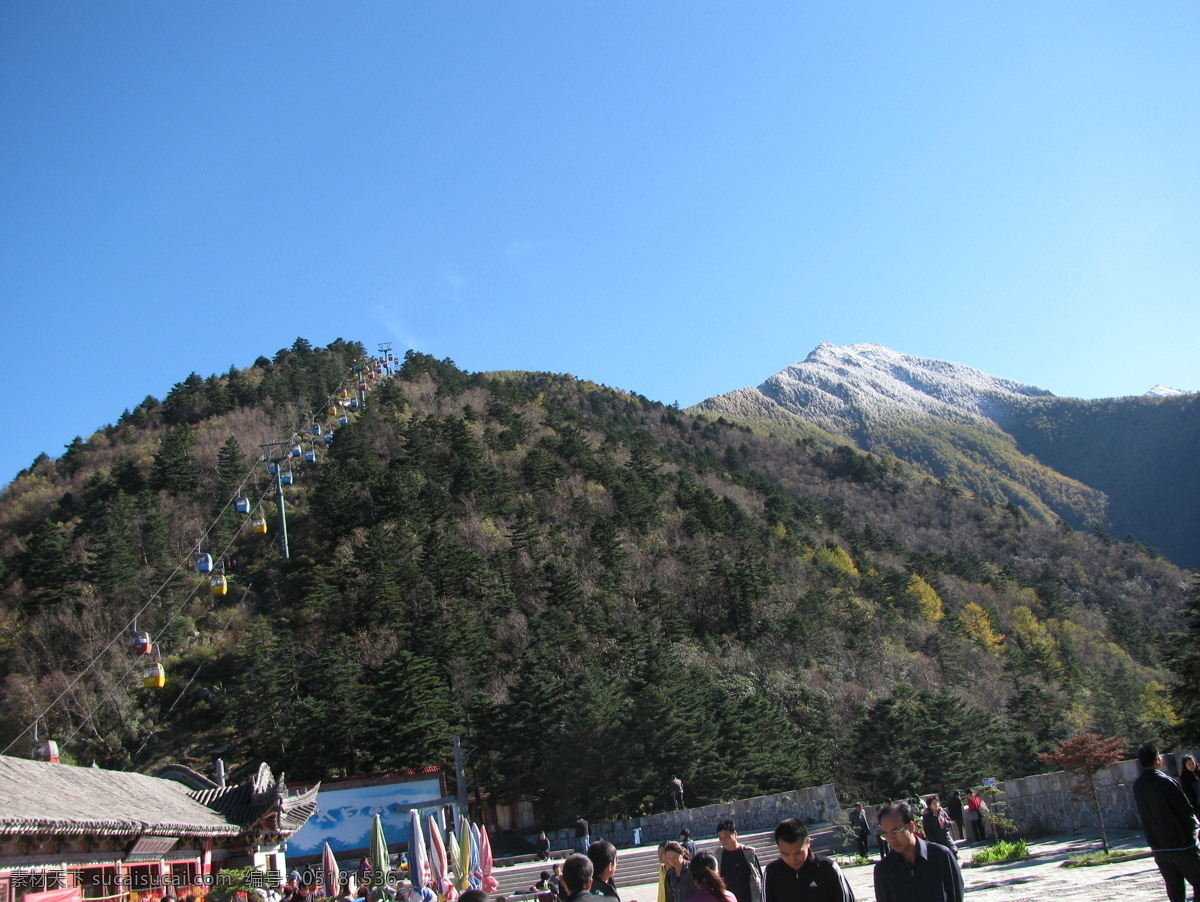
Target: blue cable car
<point>242,505</point>
<point>316,429</point>
<point>286,477</point>
<point>272,468</point>
<point>297,450</point>
<point>344,420</point>
<point>329,438</point>
<point>310,456</point>
<point>354,404</point>
<point>204,562</point>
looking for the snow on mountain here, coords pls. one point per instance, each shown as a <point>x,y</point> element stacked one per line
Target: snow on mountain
<point>1164,391</point>
<point>841,385</point>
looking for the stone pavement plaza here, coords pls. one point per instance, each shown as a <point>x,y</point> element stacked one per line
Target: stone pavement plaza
<point>1040,878</point>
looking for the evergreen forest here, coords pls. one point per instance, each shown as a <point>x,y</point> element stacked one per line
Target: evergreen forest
<point>594,590</point>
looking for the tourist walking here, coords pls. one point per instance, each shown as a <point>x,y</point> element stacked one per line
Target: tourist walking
<point>677,878</point>
<point>676,793</point>
<point>738,865</point>
<point>799,874</point>
<point>1169,820</point>
<point>936,822</point>
<point>583,835</point>
<point>914,870</point>
<point>862,830</point>
<point>577,877</point>
<point>709,885</point>
<point>879,837</point>
<point>603,856</point>
<point>954,806</point>
<point>685,840</point>
<point>1189,779</point>
<point>976,809</point>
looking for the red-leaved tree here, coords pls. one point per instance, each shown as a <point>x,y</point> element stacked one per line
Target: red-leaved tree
<point>1083,757</point>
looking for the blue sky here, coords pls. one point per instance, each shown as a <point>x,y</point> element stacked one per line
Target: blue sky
<point>675,198</point>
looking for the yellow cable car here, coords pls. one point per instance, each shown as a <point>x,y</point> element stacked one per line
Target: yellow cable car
<point>154,676</point>
<point>259,525</point>
<point>218,585</point>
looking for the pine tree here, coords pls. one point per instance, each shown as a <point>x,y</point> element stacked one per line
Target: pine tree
<point>174,470</point>
<point>1185,662</point>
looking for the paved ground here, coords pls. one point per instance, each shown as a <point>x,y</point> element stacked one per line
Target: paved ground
<point>1039,878</point>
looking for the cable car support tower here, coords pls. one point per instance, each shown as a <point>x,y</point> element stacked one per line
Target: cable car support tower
<point>276,454</point>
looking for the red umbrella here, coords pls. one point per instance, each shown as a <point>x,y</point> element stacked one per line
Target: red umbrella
<point>330,874</point>
<point>485,861</point>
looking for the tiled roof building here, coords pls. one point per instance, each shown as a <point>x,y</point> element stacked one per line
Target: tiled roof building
<point>99,834</point>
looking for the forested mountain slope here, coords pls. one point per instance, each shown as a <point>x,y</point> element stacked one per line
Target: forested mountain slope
<point>594,589</point>
<point>1123,464</point>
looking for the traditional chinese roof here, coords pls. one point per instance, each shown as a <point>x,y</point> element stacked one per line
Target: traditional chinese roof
<point>252,804</point>
<point>39,797</point>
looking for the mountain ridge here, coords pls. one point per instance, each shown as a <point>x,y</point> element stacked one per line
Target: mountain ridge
<point>999,437</point>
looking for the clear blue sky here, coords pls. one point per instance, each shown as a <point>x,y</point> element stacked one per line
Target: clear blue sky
<point>675,198</point>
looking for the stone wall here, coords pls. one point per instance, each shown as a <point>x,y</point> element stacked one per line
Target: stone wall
<point>815,804</point>
<point>1042,804</point>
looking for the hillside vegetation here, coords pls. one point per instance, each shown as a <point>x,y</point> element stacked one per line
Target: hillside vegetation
<point>595,590</point>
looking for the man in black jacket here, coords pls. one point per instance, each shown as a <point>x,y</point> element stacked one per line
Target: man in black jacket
<point>577,878</point>
<point>914,870</point>
<point>799,874</point>
<point>603,856</point>
<point>1170,824</point>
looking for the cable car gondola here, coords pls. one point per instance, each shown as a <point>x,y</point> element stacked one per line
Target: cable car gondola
<point>203,562</point>
<point>154,676</point>
<point>259,525</point>
<point>242,505</point>
<point>344,420</point>
<point>329,438</point>
<point>310,456</point>
<point>141,644</point>
<point>218,585</point>
<point>297,450</point>
<point>45,750</point>
<point>316,429</point>
<point>285,477</point>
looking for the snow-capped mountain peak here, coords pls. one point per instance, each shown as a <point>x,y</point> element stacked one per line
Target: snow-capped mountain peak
<point>835,383</point>
<point>1164,391</point>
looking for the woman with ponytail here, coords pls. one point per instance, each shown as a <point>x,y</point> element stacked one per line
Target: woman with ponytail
<point>709,885</point>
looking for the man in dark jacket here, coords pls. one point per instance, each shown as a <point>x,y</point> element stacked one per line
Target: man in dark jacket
<point>738,865</point>
<point>1170,824</point>
<point>914,870</point>
<point>577,878</point>
<point>862,830</point>
<point>603,856</point>
<point>799,874</point>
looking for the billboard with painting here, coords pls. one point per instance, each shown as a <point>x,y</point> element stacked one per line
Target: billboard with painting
<point>346,808</point>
